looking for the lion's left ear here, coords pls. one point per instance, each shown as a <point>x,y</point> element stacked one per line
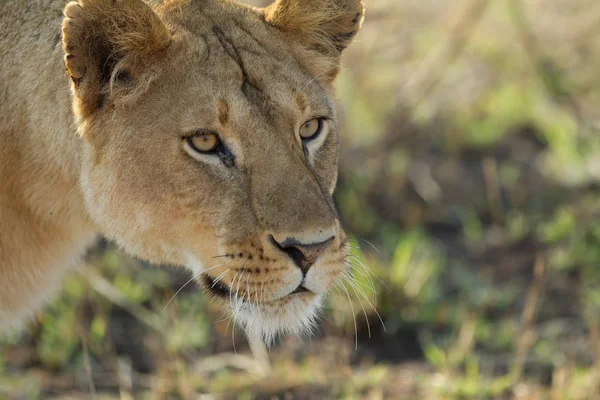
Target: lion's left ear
<point>108,41</point>
<point>323,26</point>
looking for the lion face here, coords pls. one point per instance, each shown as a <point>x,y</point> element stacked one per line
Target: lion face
<point>211,141</point>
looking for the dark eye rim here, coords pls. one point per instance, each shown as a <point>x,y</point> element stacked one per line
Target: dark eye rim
<point>215,150</point>
<point>321,121</point>
<point>220,150</point>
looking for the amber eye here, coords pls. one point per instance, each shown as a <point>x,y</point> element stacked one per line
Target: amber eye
<point>311,129</point>
<point>204,142</point>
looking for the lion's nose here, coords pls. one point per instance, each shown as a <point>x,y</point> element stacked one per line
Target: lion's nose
<point>303,254</point>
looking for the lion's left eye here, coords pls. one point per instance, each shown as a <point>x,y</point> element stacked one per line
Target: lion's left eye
<point>204,142</point>
<point>311,129</point>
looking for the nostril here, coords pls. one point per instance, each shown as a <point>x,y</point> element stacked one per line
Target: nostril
<point>303,255</point>
<point>293,252</point>
<point>297,256</point>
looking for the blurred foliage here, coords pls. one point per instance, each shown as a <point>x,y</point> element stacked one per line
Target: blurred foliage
<point>473,204</point>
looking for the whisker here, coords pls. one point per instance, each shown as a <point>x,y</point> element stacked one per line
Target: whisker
<point>233,335</point>
<point>221,320</point>
<point>227,327</point>
<point>370,244</point>
<point>231,289</point>
<point>366,273</point>
<point>355,240</point>
<point>190,280</point>
<point>234,306</point>
<point>252,309</point>
<point>353,247</point>
<point>364,312</point>
<point>237,291</point>
<point>256,295</point>
<point>351,282</point>
<point>241,268</point>
<point>367,269</point>
<point>368,276</point>
<point>262,291</point>
<point>353,318</point>
<point>248,286</point>
<point>219,277</point>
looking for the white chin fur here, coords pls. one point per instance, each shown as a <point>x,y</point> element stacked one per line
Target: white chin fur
<point>297,318</point>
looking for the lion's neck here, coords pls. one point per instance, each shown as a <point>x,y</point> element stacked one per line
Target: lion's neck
<point>40,152</point>
<point>44,226</point>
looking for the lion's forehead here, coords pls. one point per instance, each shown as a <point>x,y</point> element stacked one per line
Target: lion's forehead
<point>249,58</point>
<point>266,74</point>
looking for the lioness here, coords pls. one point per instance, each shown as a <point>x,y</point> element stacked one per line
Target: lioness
<point>199,133</point>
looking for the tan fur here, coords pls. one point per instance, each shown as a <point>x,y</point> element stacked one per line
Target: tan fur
<point>100,149</point>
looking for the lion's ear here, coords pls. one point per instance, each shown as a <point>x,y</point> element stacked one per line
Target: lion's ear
<point>323,26</point>
<point>107,41</point>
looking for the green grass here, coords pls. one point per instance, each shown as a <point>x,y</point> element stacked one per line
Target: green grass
<point>483,208</point>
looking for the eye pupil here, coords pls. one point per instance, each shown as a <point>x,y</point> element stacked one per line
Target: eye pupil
<point>204,142</point>
<point>311,129</point>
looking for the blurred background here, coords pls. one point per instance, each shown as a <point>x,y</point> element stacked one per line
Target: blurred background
<point>470,181</point>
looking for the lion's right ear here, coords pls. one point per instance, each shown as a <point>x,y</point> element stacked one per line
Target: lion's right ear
<point>105,41</point>
<point>323,27</point>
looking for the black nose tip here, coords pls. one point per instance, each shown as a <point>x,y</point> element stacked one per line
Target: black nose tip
<point>303,254</point>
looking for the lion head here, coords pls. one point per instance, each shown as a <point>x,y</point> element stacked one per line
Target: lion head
<point>211,141</point>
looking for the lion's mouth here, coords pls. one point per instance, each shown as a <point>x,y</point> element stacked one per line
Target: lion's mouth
<point>215,288</point>
<point>221,290</point>
<point>299,289</point>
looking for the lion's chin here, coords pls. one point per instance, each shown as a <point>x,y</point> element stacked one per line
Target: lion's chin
<point>294,315</point>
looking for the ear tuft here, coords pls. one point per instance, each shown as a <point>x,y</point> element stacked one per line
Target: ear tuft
<point>101,39</point>
<point>326,25</point>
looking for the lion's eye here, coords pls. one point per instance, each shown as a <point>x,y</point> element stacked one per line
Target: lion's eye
<point>311,129</point>
<point>204,142</point>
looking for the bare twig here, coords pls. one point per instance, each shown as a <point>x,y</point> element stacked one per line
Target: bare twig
<point>224,360</point>
<point>545,67</point>
<point>432,69</point>
<point>110,292</point>
<point>261,355</point>
<point>528,334</point>
<point>125,373</point>
<point>88,367</point>
<point>424,183</point>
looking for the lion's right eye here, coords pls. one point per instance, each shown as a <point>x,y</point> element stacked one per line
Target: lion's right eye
<point>206,146</point>
<point>204,142</point>
<point>311,129</point>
